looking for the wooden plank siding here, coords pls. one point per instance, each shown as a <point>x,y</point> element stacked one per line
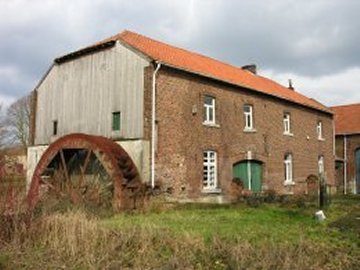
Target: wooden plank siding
<point>82,94</point>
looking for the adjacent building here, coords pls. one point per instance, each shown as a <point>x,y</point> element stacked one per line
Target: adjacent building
<point>347,143</point>
<point>191,123</point>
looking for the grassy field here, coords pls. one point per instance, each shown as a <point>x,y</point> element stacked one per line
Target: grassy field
<point>270,236</point>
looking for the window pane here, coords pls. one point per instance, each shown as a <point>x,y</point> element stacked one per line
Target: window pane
<point>116,125</point>
<point>211,115</point>
<point>248,121</point>
<point>208,100</point>
<point>288,167</point>
<point>247,108</point>
<point>286,123</point>
<point>209,169</point>
<point>55,127</point>
<point>209,109</point>
<point>205,116</point>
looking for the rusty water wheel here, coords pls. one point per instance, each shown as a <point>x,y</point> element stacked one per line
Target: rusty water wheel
<point>78,177</point>
<point>86,170</point>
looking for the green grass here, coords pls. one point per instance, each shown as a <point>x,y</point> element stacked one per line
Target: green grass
<point>219,222</point>
<point>268,222</point>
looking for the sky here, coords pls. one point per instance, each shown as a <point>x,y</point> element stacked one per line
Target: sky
<point>314,43</point>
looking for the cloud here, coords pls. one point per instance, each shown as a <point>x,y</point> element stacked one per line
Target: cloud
<point>331,89</point>
<point>308,40</point>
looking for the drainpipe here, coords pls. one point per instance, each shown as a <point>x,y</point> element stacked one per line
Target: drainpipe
<point>334,138</point>
<point>153,119</point>
<point>345,163</point>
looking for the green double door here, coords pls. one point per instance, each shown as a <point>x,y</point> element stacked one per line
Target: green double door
<point>250,173</point>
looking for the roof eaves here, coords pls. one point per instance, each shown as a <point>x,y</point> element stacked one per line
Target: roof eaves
<point>84,51</point>
<point>347,133</point>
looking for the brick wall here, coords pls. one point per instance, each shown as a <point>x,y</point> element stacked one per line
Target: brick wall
<point>352,144</point>
<point>182,137</point>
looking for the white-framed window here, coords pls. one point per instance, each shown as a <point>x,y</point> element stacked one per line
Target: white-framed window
<point>287,124</point>
<point>319,130</point>
<point>248,115</point>
<point>209,110</point>
<point>288,169</point>
<point>321,167</point>
<point>209,170</point>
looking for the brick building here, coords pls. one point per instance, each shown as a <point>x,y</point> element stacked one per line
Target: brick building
<point>347,144</point>
<point>191,123</point>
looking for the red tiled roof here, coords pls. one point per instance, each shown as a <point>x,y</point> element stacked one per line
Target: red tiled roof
<point>206,66</point>
<point>347,119</point>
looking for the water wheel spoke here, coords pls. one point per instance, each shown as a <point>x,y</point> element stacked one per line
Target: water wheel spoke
<point>64,167</point>
<point>83,169</point>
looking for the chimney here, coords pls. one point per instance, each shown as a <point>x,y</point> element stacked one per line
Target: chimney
<point>251,68</point>
<point>291,87</point>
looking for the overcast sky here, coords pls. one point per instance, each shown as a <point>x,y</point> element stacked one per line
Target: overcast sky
<point>315,43</point>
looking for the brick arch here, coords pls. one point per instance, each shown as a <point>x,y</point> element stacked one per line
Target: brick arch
<point>111,155</point>
<point>242,157</point>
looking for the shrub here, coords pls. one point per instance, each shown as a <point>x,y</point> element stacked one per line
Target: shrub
<point>254,199</point>
<point>270,196</point>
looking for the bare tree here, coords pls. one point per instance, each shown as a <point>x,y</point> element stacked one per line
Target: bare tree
<point>2,127</point>
<point>18,120</point>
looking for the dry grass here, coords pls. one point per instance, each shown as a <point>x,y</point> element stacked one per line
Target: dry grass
<point>166,237</point>
<point>75,240</point>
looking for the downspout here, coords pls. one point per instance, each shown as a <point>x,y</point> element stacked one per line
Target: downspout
<point>334,139</point>
<point>153,119</point>
<point>345,163</point>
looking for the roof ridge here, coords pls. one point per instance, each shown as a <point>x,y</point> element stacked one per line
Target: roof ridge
<point>183,49</point>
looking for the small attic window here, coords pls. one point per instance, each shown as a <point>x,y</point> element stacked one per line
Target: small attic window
<point>116,121</point>
<point>55,127</point>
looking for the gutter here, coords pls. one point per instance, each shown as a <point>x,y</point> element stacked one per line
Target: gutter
<point>153,123</point>
<point>84,51</point>
<point>345,163</point>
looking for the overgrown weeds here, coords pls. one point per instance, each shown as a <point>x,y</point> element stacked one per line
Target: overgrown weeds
<point>61,236</point>
<point>74,240</point>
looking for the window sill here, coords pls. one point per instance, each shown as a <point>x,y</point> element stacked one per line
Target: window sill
<point>321,139</point>
<point>211,125</point>
<point>248,130</point>
<point>289,183</point>
<point>211,191</point>
<point>288,134</point>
